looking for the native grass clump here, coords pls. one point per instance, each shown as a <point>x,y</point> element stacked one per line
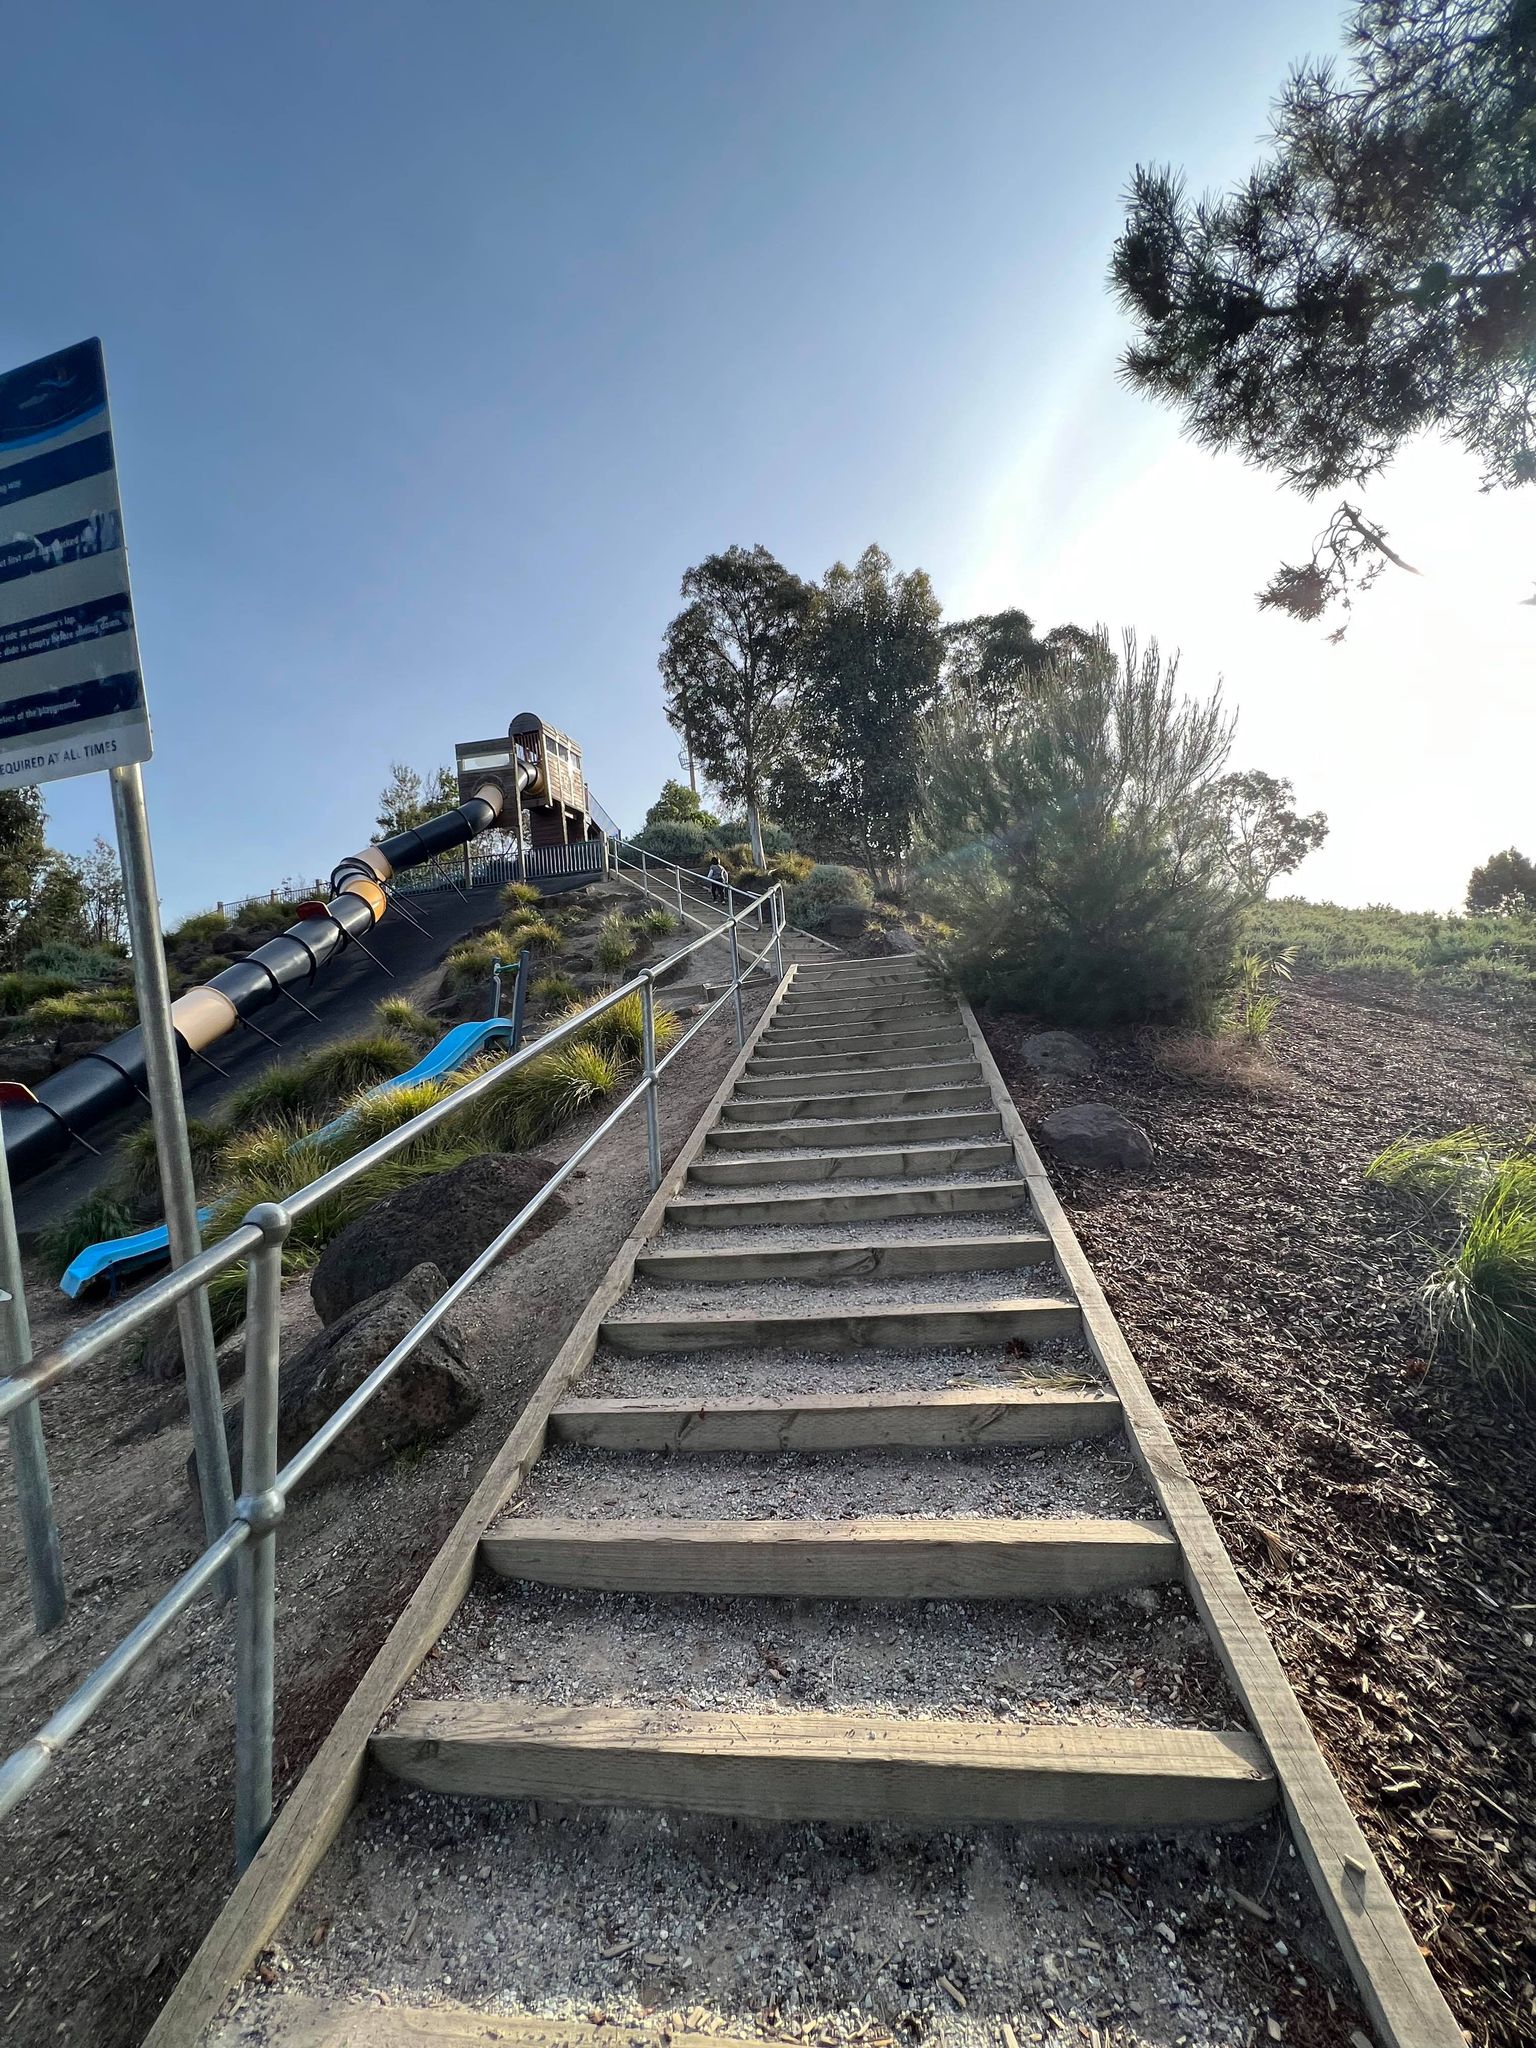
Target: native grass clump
<point>1080,849</point>
<point>1477,1218</point>
<point>615,945</point>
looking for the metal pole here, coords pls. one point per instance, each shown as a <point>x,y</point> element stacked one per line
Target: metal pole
<point>29,1454</point>
<point>260,1506</point>
<point>469,880</point>
<point>495,988</point>
<point>177,1189</point>
<point>741,1029</point>
<point>778,933</point>
<point>652,1111</point>
<point>681,920</point>
<point>522,852</point>
<point>645,873</point>
<point>520,995</point>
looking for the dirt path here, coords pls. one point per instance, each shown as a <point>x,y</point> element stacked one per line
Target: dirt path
<point>115,1869</point>
<point>1380,1514</point>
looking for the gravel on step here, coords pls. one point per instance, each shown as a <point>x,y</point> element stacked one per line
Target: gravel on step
<point>1017,1222</point>
<point>1096,1478</point>
<point>806,1933</point>
<point>883,1184</point>
<point>1059,1364</point>
<point>1140,1659</point>
<point>671,1298</point>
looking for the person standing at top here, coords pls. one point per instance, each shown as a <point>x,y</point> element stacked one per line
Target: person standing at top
<point>716,877</point>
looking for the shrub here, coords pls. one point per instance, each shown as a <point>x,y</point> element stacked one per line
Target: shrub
<point>373,1116</point>
<point>110,1010</point>
<point>615,946</point>
<point>1481,1300</point>
<point>198,929</point>
<point>536,932</point>
<point>73,964</point>
<point>267,917</point>
<point>400,1018</point>
<point>677,840</point>
<point>1454,1169</point>
<point>470,965</point>
<point>18,992</point>
<point>539,1099</point>
<point>99,1216</point>
<point>315,1086</point>
<point>138,1165</point>
<point>520,895</point>
<point>1255,996</point>
<point>552,988</point>
<point>826,886</point>
<point>1079,851</point>
<point>621,1027</point>
<point>656,923</point>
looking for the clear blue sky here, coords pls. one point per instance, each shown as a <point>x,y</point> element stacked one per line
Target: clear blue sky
<point>443,338</point>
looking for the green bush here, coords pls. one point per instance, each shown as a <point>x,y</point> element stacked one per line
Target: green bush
<point>539,1099</point>
<point>656,923</point>
<point>1407,945</point>
<point>469,965</point>
<point>1481,1300</point>
<point>400,1018</point>
<point>621,1027</point>
<point>109,1010</point>
<point>75,965</point>
<point>525,930</point>
<point>137,1176</point>
<point>826,886</point>
<point>615,945</point>
<point>267,917</point>
<point>18,992</point>
<point>552,988</point>
<point>521,896</point>
<point>317,1085</point>
<point>99,1216</point>
<point>198,929</point>
<point>674,839</point>
<point>1079,852</point>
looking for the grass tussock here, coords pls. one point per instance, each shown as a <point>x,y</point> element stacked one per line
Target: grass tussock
<point>1479,1301</point>
<point>536,932</point>
<point>400,1018</point>
<point>521,896</point>
<point>657,923</point>
<point>317,1086</point>
<point>554,987</point>
<point>620,1029</point>
<point>541,1098</point>
<point>104,1214</point>
<point>1224,1064</point>
<point>615,943</point>
<point>137,1178</point>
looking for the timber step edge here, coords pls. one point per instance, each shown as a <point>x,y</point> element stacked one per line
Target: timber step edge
<point>874,1329</point>
<point>822,1081</point>
<point>865,1205</point>
<point>831,1767</point>
<point>881,1164</point>
<point>898,1130</point>
<point>818,1057</point>
<point>880,1557</point>
<point>873,1102</point>
<point>324,2023</point>
<point>950,1418</point>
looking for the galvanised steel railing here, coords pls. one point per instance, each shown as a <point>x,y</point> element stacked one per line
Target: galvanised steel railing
<point>250,1540</point>
<point>663,880</point>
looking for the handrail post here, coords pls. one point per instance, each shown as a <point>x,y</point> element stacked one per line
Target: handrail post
<point>29,1453</point>
<point>741,1029</point>
<point>260,1506</point>
<point>645,873</point>
<point>682,921</point>
<point>777,908</point>
<point>652,1108</point>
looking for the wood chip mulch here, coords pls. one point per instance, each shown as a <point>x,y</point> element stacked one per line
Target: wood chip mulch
<point>1379,1510</point>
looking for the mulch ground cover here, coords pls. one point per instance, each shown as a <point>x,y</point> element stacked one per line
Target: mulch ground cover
<point>1379,1509</point>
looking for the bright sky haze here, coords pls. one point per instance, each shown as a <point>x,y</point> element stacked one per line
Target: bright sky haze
<point>443,339</point>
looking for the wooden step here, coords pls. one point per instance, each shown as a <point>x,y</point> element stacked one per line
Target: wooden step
<point>796,1212</point>
<point>876,1004</point>
<point>867,1329</point>
<point>877,1102</point>
<point>899,1160</point>
<point>878,1557</point>
<point>757,1087</point>
<point>831,1767</point>
<point>895,1130</point>
<point>948,1419</point>
<point>296,2021</point>
<point>849,1261</point>
<point>818,1047</point>
<point>811,1059</point>
<point>789,1024</point>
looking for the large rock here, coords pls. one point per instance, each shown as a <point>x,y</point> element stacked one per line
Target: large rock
<point>430,1396</point>
<point>844,921</point>
<point>446,1219</point>
<point>28,1061</point>
<point>897,939</point>
<point>1091,1134</point>
<point>1058,1053</point>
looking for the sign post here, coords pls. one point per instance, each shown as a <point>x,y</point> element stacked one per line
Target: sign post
<point>71,702</point>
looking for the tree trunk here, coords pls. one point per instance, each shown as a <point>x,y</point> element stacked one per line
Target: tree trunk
<point>755,832</point>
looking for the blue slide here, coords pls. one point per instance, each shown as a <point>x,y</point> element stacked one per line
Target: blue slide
<point>118,1257</point>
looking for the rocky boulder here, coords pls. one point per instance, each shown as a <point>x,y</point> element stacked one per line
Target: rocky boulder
<point>897,939</point>
<point>1057,1054</point>
<point>843,921</point>
<point>1092,1134</point>
<point>430,1396</point>
<point>446,1219</point>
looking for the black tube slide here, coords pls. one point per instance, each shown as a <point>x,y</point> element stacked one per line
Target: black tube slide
<point>111,1079</point>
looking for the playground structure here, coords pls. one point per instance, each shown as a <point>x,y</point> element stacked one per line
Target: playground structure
<point>532,777</point>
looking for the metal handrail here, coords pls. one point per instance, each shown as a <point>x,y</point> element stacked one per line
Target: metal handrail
<point>251,1537</point>
<point>648,860</point>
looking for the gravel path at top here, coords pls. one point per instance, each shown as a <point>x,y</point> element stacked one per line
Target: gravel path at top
<point>1143,1659</point>
<point>670,1298</point>
<point>813,1934</point>
<point>1059,1363</point>
<point>1094,1479</point>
